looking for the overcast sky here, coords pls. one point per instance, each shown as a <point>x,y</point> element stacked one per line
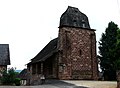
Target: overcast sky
<point>28,25</point>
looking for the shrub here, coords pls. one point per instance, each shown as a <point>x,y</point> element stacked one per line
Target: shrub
<point>17,81</point>
<point>8,77</point>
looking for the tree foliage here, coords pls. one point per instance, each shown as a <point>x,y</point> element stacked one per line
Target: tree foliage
<point>8,77</point>
<point>117,52</point>
<point>107,51</point>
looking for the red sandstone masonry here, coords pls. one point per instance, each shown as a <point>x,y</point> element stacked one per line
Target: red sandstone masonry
<point>78,53</point>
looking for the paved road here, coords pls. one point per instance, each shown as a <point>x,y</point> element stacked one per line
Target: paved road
<point>42,86</point>
<point>70,84</point>
<point>49,84</point>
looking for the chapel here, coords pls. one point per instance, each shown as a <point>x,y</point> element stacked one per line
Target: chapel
<point>72,55</point>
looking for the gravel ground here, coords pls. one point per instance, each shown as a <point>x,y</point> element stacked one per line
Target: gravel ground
<point>95,84</point>
<point>70,84</point>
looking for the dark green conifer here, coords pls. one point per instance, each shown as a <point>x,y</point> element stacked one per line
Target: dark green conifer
<point>107,46</point>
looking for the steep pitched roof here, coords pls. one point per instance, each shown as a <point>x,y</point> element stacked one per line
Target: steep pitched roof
<point>72,17</point>
<point>47,51</point>
<point>23,74</point>
<point>4,54</point>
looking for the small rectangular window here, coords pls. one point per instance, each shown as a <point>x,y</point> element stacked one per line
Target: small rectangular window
<point>80,52</point>
<point>83,25</point>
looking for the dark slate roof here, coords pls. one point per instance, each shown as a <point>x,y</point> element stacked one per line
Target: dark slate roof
<point>23,74</point>
<point>72,17</point>
<point>4,54</point>
<point>46,52</point>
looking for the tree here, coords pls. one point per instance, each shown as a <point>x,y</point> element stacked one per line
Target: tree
<point>107,51</point>
<point>117,52</point>
<point>8,77</point>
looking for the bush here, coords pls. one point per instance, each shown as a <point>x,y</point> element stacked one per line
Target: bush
<point>17,81</point>
<point>8,77</point>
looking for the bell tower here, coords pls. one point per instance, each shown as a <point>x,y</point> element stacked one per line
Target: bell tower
<point>76,47</point>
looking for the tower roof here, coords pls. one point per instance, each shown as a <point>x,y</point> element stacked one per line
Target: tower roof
<point>72,17</point>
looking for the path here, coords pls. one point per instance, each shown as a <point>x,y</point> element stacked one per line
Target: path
<point>70,84</point>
